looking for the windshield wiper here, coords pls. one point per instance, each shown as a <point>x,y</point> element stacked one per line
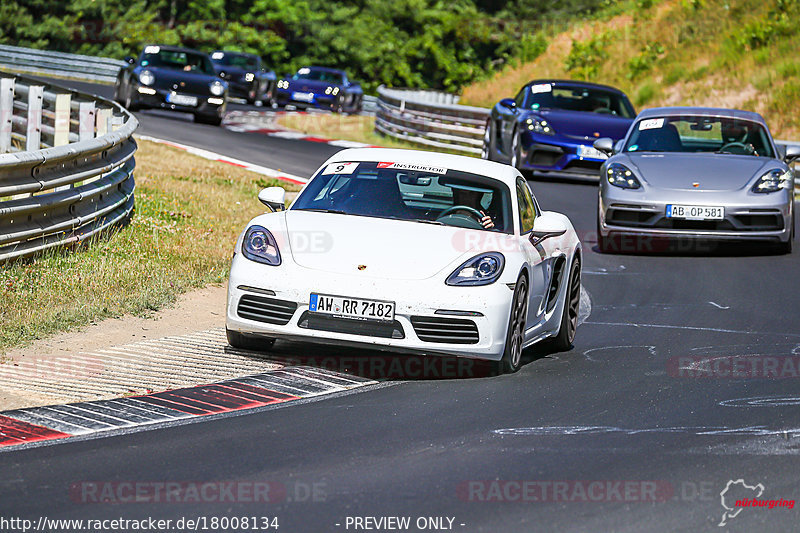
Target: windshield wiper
<point>320,210</point>
<point>424,221</point>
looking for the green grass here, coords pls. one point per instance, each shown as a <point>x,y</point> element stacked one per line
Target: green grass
<point>188,215</point>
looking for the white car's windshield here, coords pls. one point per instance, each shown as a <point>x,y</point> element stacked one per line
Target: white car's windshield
<point>409,192</point>
<point>700,134</point>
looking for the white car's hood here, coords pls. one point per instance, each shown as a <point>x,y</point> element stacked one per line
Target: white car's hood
<point>385,248</point>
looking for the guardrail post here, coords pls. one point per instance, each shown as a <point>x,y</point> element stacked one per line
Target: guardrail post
<point>33,139</point>
<point>6,112</point>
<point>86,121</point>
<point>61,136</point>
<point>103,120</point>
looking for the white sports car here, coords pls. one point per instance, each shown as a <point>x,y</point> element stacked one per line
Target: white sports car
<point>408,251</point>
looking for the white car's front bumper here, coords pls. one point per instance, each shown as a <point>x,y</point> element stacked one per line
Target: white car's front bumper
<point>489,305</point>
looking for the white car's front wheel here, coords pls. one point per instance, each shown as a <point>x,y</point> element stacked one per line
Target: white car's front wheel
<point>569,318</point>
<point>512,355</point>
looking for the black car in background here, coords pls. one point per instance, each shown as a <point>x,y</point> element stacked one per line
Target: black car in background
<point>246,76</point>
<point>170,77</point>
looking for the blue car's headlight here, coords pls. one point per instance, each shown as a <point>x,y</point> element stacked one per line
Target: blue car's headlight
<point>480,270</point>
<point>146,77</point>
<point>283,84</point>
<point>773,181</point>
<point>259,245</point>
<point>621,176</point>
<point>540,125</point>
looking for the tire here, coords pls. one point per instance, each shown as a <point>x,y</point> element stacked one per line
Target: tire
<point>486,151</point>
<point>603,243</point>
<point>515,335</point>
<point>214,120</point>
<point>117,95</point>
<point>130,102</point>
<point>516,151</point>
<point>569,317</point>
<point>246,342</point>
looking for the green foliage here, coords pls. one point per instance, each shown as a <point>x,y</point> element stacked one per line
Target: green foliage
<point>644,62</point>
<point>585,57</point>
<point>419,43</point>
<point>645,93</point>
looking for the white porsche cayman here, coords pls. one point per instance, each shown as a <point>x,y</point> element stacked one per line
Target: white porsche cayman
<point>408,251</point>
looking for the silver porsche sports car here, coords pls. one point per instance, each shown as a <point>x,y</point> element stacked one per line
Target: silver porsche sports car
<point>698,173</point>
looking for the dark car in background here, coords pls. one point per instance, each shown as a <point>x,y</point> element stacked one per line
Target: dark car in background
<point>321,87</point>
<point>174,78</point>
<point>246,76</point>
<point>550,126</point>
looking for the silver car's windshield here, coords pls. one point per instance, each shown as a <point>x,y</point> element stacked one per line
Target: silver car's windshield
<point>695,134</point>
<point>417,193</point>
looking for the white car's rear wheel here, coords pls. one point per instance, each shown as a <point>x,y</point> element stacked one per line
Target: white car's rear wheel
<point>515,337</point>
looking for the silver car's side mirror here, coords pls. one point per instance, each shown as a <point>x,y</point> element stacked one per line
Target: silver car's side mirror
<point>274,198</point>
<point>545,226</point>
<point>605,145</point>
<point>619,145</point>
<point>792,153</point>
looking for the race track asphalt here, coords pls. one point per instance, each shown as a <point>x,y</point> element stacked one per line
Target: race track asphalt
<point>615,410</point>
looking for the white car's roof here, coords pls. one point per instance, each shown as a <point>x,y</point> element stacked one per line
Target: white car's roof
<point>505,173</point>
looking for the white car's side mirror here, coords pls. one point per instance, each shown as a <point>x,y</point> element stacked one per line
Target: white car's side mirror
<point>274,198</point>
<point>547,225</point>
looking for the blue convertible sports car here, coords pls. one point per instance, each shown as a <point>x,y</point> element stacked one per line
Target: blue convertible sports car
<point>321,87</point>
<point>550,126</point>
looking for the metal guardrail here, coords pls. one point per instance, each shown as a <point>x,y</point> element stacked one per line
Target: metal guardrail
<point>31,61</point>
<point>429,118</point>
<point>66,166</point>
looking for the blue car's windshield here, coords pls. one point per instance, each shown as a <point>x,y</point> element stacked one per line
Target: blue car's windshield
<point>408,192</point>
<point>574,98</point>
<point>700,134</point>
<point>318,75</point>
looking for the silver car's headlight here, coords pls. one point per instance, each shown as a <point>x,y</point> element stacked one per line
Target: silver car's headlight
<point>146,77</point>
<point>773,181</point>
<point>540,125</point>
<point>621,176</point>
<point>480,270</point>
<point>259,245</point>
<point>216,88</point>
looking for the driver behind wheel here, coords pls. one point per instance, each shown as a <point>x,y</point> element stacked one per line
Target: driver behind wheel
<point>471,198</point>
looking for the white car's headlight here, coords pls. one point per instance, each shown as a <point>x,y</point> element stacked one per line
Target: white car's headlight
<point>773,181</point>
<point>480,270</point>
<point>540,125</point>
<point>249,76</point>
<point>216,88</point>
<point>621,176</point>
<point>146,77</point>
<point>259,245</point>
